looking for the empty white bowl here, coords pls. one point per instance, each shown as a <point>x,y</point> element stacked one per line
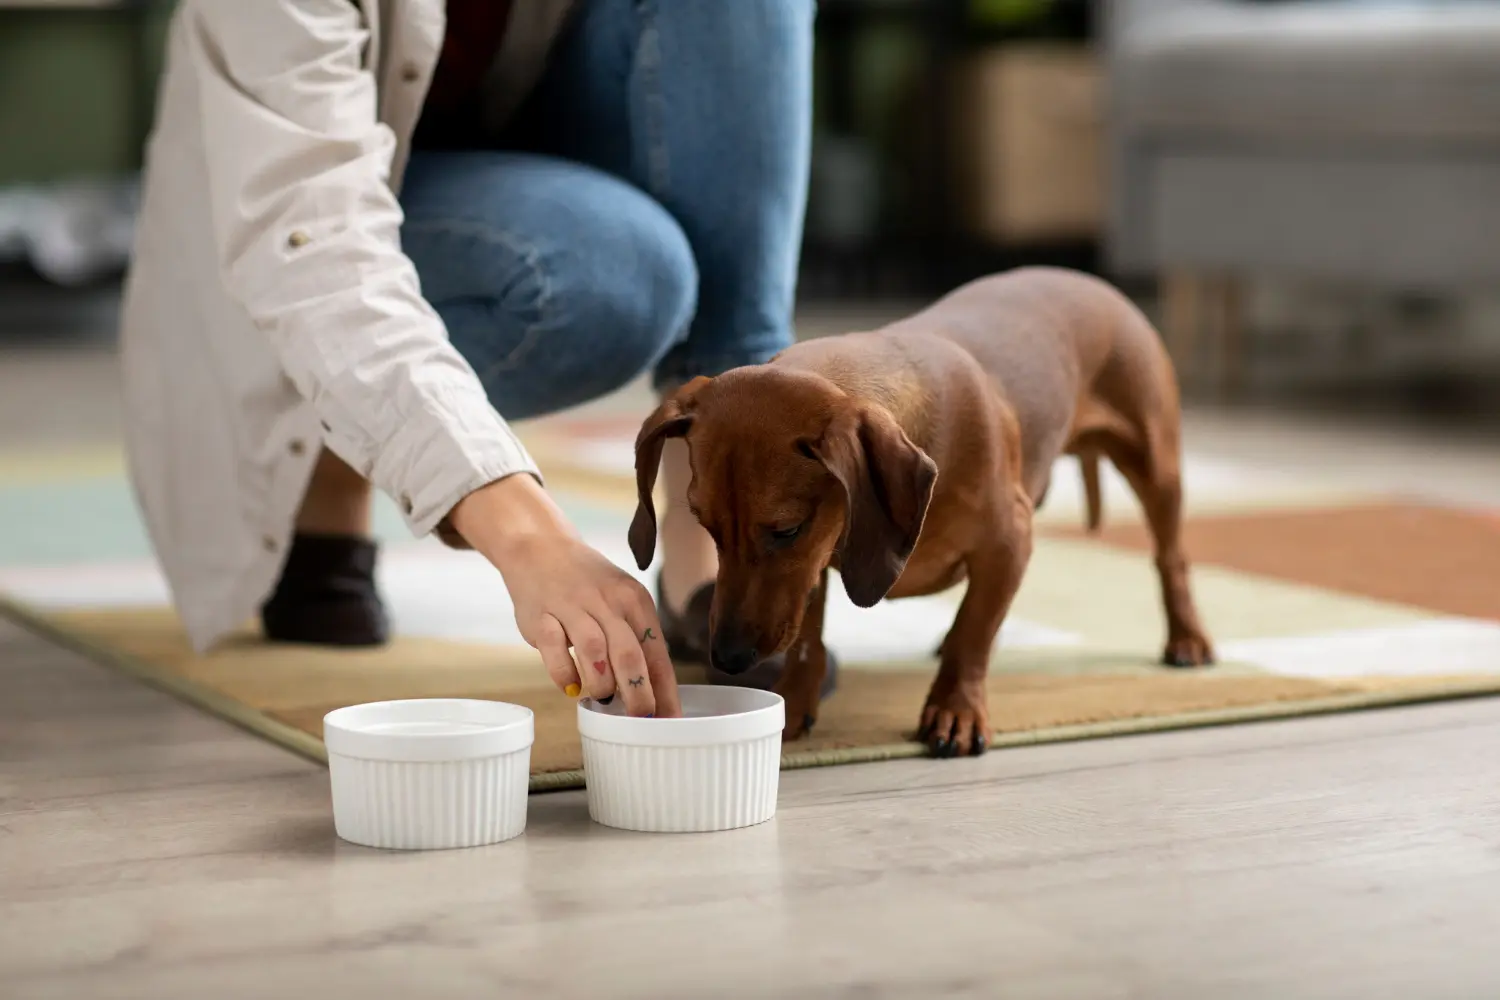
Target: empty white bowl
<point>717,768</point>
<point>429,773</point>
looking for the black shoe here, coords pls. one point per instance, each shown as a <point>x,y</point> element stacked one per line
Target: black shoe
<point>326,595</point>
<point>687,638</point>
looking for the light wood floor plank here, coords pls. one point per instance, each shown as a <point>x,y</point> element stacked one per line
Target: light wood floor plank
<point>148,851</point>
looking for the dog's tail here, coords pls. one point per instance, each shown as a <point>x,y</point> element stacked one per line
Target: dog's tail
<point>1088,461</point>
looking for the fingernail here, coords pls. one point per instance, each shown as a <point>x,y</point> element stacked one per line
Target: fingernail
<point>650,715</point>
<point>606,701</point>
<point>572,690</point>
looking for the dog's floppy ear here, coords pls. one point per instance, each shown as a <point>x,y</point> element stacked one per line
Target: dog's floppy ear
<point>888,482</point>
<point>671,419</point>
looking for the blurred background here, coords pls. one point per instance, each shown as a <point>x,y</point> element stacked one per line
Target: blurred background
<point>1305,194</point>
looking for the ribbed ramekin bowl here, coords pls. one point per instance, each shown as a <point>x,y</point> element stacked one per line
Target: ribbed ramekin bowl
<point>716,768</point>
<point>430,773</point>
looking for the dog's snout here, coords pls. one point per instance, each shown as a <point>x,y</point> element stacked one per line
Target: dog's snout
<point>733,649</point>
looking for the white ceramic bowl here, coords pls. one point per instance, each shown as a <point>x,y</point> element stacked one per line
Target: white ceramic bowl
<point>429,773</point>
<point>716,768</point>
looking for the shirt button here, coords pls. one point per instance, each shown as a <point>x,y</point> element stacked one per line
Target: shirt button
<point>297,447</point>
<point>268,543</point>
<point>298,239</point>
<point>410,73</point>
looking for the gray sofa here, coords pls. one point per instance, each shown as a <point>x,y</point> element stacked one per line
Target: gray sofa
<point>1350,141</point>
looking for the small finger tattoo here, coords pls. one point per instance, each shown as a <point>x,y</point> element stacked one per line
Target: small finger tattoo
<point>602,666</point>
<point>648,634</point>
<point>636,682</point>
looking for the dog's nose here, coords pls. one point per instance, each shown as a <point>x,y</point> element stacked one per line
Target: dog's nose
<point>732,651</point>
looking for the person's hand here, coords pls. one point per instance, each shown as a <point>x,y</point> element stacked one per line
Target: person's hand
<point>569,596</point>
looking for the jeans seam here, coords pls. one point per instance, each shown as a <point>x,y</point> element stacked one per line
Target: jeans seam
<point>653,102</point>
<point>530,256</point>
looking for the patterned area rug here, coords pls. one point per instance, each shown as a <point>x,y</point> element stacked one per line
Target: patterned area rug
<point>1318,601</point>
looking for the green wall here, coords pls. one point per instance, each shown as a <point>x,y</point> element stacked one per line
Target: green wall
<point>71,87</point>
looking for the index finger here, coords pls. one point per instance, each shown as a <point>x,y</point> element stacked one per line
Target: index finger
<point>658,661</point>
<point>628,661</point>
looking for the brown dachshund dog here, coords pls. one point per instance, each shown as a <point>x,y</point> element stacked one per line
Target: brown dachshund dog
<point>910,459</point>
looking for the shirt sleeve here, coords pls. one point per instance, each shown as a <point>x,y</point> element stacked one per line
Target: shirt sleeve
<point>307,230</point>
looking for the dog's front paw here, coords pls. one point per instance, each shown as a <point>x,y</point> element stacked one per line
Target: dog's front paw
<point>1192,649</point>
<point>797,727</point>
<point>801,712</point>
<point>955,721</point>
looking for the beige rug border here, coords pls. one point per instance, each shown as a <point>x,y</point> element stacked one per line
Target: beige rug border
<point>291,738</point>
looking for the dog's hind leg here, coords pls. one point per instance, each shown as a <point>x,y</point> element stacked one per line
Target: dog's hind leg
<point>1153,469</point>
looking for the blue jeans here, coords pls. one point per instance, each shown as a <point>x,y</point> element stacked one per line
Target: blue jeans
<point>643,212</point>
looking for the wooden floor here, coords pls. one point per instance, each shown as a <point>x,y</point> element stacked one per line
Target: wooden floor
<point>149,851</point>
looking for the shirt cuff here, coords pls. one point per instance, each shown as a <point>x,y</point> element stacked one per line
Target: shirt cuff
<point>430,464</point>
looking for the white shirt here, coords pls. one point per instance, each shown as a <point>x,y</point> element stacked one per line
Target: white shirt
<point>270,310</point>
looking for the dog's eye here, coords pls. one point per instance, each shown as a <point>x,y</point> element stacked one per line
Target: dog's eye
<point>784,536</point>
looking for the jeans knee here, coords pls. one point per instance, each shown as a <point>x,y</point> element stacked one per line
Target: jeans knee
<point>644,286</point>
<point>619,298</point>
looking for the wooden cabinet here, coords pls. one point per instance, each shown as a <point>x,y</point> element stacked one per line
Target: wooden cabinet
<point>1028,143</point>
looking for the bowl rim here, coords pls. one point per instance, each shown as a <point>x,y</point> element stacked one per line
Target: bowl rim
<point>764,715</point>
<point>493,728</point>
